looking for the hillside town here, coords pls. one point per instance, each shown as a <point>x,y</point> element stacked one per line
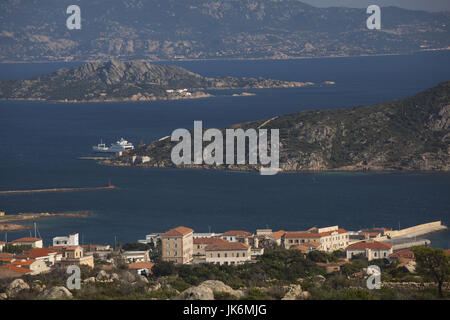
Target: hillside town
<point>183,246</point>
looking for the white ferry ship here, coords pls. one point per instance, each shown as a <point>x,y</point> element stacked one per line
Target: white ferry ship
<point>120,145</point>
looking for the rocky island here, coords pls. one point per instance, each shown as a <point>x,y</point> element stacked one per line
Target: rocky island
<point>127,81</point>
<point>407,134</point>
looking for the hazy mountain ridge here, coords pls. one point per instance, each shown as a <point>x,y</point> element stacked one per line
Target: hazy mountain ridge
<point>124,81</point>
<point>406,134</point>
<point>206,29</point>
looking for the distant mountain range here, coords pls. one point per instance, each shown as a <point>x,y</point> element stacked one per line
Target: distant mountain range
<point>35,30</point>
<point>127,81</point>
<point>407,134</point>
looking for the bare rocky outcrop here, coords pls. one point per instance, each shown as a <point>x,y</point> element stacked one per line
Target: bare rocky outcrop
<point>17,286</point>
<point>56,293</point>
<point>293,292</point>
<point>196,293</point>
<point>206,290</point>
<point>220,287</point>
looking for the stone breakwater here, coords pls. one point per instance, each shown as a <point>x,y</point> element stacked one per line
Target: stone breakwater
<point>418,230</point>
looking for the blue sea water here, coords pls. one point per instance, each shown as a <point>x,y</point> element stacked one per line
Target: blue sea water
<point>40,141</point>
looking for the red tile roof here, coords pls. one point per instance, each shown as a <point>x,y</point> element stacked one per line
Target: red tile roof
<point>227,246</point>
<point>14,268</point>
<point>208,240</point>
<point>6,255</point>
<point>36,253</point>
<point>2,242</point>
<point>278,234</point>
<point>26,239</point>
<point>369,245</point>
<point>20,263</point>
<point>313,234</point>
<point>237,233</point>
<point>408,254</point>
<point>178,231</point>
<point>64,248</point>
<point>302,235</point>
<point>141,265</point>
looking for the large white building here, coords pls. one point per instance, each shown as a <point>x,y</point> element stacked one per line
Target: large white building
<point>329,238</point>
<point>71,240</point>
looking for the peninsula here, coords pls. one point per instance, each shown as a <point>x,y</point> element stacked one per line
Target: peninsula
<point>128,81</point>
<point>19,217</point>
<point>407,134</point>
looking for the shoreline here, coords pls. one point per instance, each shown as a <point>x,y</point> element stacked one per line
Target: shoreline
<point>194,96</point>
<point>256,170</point>
<point>235,59</point>
<point>8,227</point>
<point>32,216</point>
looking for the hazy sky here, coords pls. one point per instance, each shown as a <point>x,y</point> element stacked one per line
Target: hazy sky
<point>428,5</point>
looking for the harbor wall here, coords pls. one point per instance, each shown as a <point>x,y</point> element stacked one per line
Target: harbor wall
<point>417,230</point>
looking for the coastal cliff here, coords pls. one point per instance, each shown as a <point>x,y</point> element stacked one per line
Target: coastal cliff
<point>407,134</point>
<point>127,81</point>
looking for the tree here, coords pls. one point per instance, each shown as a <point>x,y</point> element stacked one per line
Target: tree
<point>164,268</point>
<point>135,246</point>
<point>433,264</point>
<point>16,248</point>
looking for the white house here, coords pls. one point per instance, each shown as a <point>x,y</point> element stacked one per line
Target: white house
<point>71,240</point>
<point>28,241</point>
<point>151,239</point>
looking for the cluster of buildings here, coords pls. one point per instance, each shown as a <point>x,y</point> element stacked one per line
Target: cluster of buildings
<point>35,259</point>
<point>182,245</point>
<point>181,92</point>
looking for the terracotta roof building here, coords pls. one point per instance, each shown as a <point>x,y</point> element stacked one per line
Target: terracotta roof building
<point>330,238</point>
<point>177,245</point>
<point>50,257</point>
<point>229,253</point>
<point>141,267</point>
<point>28,241</point>
<point>237,236</point>
<point>370,249</point>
